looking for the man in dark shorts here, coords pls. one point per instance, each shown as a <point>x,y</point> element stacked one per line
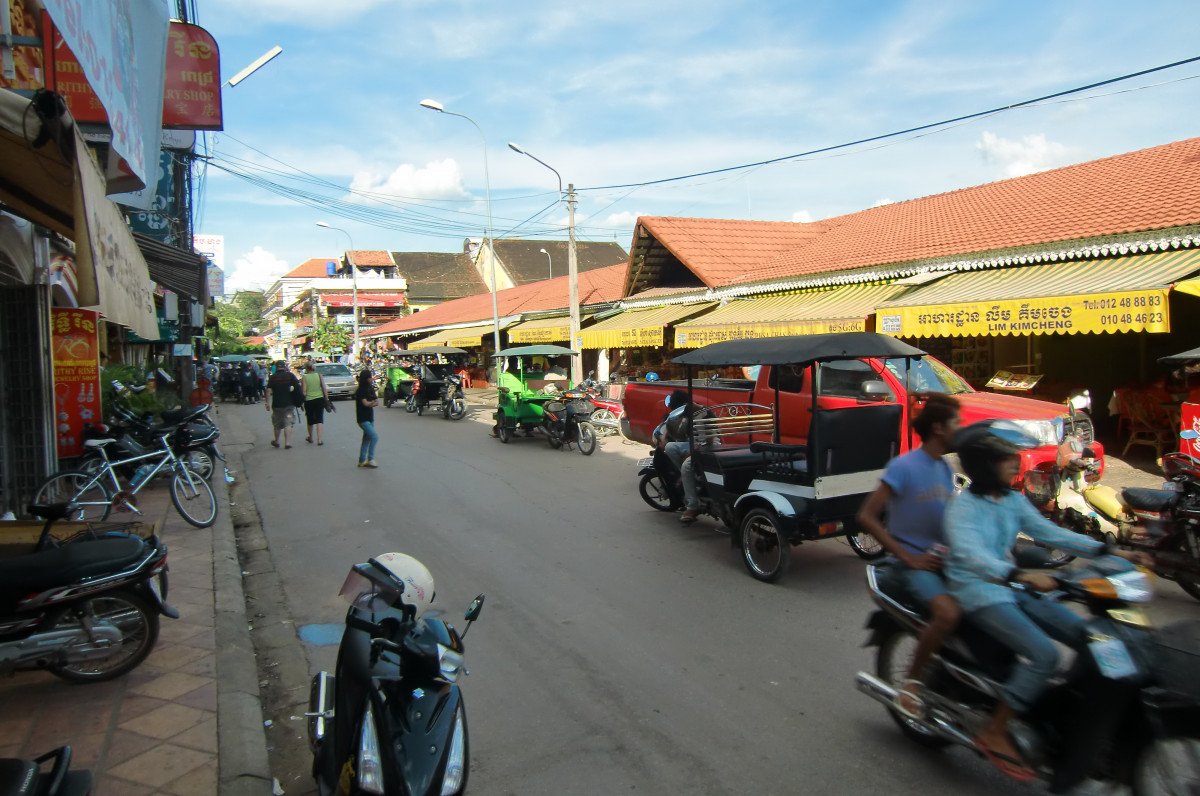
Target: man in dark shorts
<point>279,402</point>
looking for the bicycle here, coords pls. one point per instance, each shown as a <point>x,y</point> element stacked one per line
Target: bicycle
<point>191,495</point>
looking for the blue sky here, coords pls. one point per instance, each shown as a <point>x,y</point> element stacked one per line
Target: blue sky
<point>625,92</point>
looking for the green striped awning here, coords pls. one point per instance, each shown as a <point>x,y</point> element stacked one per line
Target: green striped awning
<point>1086,296</point>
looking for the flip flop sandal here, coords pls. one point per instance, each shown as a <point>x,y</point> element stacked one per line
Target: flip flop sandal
<point>908,701</point>
<point>1010,767</point>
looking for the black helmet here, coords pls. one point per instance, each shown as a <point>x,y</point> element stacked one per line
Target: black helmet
<point>980,447</point>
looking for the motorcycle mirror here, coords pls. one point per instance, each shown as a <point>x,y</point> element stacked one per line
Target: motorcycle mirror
<point>472,614</point>
<point>1089,453</point>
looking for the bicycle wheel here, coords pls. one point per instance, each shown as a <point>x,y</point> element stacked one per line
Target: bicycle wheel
<point>92,498</point>
<point>193,498</point>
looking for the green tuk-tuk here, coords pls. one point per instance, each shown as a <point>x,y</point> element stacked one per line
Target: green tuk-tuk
<point>526,386</point>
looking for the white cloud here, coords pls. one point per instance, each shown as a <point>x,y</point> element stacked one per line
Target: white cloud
<point>802,217</point>
<point>882,202</point>
<point>1031,154</point>
<point>255,270</point>
<point>624,219</point>
<point>440,179</point>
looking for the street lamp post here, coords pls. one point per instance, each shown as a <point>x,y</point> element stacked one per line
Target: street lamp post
<point>572,261</point>
<point>353,284</point>
<point>434,105</point>
<point>549,263</point>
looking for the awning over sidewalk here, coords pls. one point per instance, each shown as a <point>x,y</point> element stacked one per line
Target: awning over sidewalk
<point>179,271</point>
<point>543,330</point>
<point>637,328</point>
<point>1121,294</point>
<point>462,337</point>
<point>843,309</point>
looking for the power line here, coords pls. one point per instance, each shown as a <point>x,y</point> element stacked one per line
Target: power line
<point>919,128</point>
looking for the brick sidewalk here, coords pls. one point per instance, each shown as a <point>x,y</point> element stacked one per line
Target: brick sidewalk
<point>154,730</point>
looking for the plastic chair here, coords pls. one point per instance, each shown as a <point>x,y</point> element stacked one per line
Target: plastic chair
<point>1149,423</point>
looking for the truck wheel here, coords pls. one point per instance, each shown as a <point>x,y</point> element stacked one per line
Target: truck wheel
<point>765,550</point>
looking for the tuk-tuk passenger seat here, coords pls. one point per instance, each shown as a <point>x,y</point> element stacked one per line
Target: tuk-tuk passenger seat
<point>854,439</point>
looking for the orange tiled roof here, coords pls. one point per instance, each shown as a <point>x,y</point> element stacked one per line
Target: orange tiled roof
<point>309,269</point>
<point>371,258</point>
<point>595,287</point>
<point>254,340</point>
<point>1151,189</point>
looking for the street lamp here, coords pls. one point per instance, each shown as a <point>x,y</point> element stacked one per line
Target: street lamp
<point>353,283</point>
<point>549,263</point>
<point>572,260</point>
<point>254,67</point>
<point>434,105</point>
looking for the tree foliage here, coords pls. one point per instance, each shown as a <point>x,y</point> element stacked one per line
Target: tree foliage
<point>330,335</point>
<point>238,318</point>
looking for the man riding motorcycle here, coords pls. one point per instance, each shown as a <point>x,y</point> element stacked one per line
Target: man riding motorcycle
<point>671,437</point>
<point>981,527</point>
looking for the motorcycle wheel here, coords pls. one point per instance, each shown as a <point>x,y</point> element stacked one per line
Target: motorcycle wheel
<point>138,624</point>
<point>655,494</point>
<point>68,486</point>
<point>866,546</point>
<point>552,437</point>
<point>1188,581</point>
<point>193,499</point>
<point>607,416</point>
<point>503,432</point>
<point>587,439</point>
<point>200,462</point>
<point>891,665</point>
<point>765,550</point>
<point>457,409</point>
<point>1168,766</point>
<point>410,404</point>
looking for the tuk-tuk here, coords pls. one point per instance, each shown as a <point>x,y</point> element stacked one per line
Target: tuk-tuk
<point>436,383</point>
<point>777,495</point>
<point>399,380</point>
<point>524,388</point>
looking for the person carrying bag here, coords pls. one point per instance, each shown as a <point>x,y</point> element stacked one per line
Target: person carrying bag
<point>316,401</point>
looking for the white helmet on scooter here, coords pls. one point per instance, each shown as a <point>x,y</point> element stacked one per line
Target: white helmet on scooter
<point>418,589</point>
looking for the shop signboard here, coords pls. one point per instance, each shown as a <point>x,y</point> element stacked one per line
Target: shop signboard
<point>1120,311</point>
<point>545,334</point>
<point>76,353</point>
<point>192,87</point>
<point>156,221</point>
<point>168,332</point>
<point>1190,421</point>
<point>699,336</point>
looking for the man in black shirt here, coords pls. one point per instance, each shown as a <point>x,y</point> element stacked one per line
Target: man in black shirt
<point>279,402</point>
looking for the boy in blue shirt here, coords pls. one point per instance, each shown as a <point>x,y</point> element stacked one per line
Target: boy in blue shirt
<point>914,489</point>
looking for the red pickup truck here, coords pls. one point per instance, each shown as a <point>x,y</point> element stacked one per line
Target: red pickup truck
<point>841,383</point>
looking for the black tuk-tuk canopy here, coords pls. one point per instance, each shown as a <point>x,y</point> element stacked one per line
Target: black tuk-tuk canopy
<point>799,349</point>
<point>435,349</point>
<point>1185,358</point>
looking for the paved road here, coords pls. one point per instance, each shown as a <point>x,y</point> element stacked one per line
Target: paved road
<point>618,651</point>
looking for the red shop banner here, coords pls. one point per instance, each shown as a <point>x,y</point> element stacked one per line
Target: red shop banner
<point>191,87</point>
<point>75,347</point>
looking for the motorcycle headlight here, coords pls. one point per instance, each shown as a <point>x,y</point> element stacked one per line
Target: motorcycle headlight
<point>449,662</point>
<point>456,761</point>
<point>1047,432</point>
<point>370,767</point>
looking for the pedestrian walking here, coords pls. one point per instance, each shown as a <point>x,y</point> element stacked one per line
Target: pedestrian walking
<point>279,403</point>
<point>365,401</point>
<point>316,401</point>
<point>249,381</point>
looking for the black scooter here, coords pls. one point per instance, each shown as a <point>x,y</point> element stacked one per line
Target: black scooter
<point>26,778</point>
<point>566,423</point>
<point>391,720</point>
<point>86,609</point>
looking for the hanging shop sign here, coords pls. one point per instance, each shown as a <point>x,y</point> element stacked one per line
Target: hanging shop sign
<point>156,221</point>
<point>1119,311</point>
<point>192,87</point>
<point>76,352</point>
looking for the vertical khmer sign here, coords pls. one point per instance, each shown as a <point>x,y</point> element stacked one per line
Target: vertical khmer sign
<point>76,376</point>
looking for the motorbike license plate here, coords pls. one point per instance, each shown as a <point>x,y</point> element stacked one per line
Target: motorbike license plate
<point>645,462</point>
<point>1112,657</point>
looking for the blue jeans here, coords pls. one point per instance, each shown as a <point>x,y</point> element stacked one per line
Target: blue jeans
<point>676,451</point>
<point>367,452</point>
<point>1027,627</point>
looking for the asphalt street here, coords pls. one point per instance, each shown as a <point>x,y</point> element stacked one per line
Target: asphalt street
<point>618,651</point>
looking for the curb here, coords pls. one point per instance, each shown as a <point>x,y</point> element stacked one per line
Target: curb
<point>244,768</point>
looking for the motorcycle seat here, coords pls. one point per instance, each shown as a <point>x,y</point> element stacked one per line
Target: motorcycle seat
<point>18,777</point>
<point>69,563</point>
<point>173,417</point>
<point>1149,499</point>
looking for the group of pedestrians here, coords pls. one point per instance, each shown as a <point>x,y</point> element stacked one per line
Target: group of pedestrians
<point>287,394</point>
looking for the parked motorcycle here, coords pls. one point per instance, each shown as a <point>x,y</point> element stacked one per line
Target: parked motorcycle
<point>566,423</point>
<point>26,778</point>
<point>606,415</point>
<point>454,402</point>
<point>391,718</point>
<point>1133,695</point>
<point>86,609</point>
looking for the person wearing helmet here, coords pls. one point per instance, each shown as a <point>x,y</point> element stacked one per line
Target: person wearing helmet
<point>981,526</point>
<point>914,490</point>
<point>671,437</point>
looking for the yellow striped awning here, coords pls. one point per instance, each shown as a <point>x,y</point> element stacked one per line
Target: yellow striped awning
<point>636,328</point>
<point>543,330</point>
<point>842,309</point>
<point>463,337</point>
<point>1119,294</point>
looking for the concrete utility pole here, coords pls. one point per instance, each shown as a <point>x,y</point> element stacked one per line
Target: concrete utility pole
<point>353,286</point>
